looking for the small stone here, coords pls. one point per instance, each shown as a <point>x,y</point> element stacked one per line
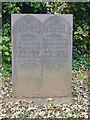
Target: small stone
<point>7,95</point>
<point>57,114</point>
<point>16,103</point>
<point>49,99</point>
<point>75,98</point>
<point>42,113</point>
<point>44,117</point>
<point>31,102</point>
<point>3,115</point>
<point>31,108</point>
<point>85,77</point>
<point>70,115</point>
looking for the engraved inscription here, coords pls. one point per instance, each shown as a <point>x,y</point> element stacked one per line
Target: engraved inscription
<point>58,27</point>
<point>55,44</point>
<point>28,45</point>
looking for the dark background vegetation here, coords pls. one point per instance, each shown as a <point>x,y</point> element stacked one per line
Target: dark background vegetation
<point>80,13</point>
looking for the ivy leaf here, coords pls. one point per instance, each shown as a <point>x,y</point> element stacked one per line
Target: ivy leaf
<point>27,3</point>
<point>6,53</point>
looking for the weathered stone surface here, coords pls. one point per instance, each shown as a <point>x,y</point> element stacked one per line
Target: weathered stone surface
<point>41,55</point>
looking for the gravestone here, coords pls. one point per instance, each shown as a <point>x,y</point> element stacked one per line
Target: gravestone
<point>41,55</point>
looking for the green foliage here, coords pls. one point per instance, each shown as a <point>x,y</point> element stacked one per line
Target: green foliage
<point>21,116</point>
<point>80,34</point>
<point>63,114</point>
<point>6,55</point>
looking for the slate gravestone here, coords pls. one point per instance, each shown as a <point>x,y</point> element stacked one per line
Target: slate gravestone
<point>41,55</point>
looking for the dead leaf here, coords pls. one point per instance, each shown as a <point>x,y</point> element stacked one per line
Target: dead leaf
<point>24,101</point>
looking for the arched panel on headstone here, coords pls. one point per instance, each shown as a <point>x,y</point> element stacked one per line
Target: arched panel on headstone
<point>56,53</point>
<point>55,42</point>
<point>27,44</point>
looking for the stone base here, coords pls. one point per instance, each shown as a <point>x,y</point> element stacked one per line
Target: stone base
<point>41,100</point>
